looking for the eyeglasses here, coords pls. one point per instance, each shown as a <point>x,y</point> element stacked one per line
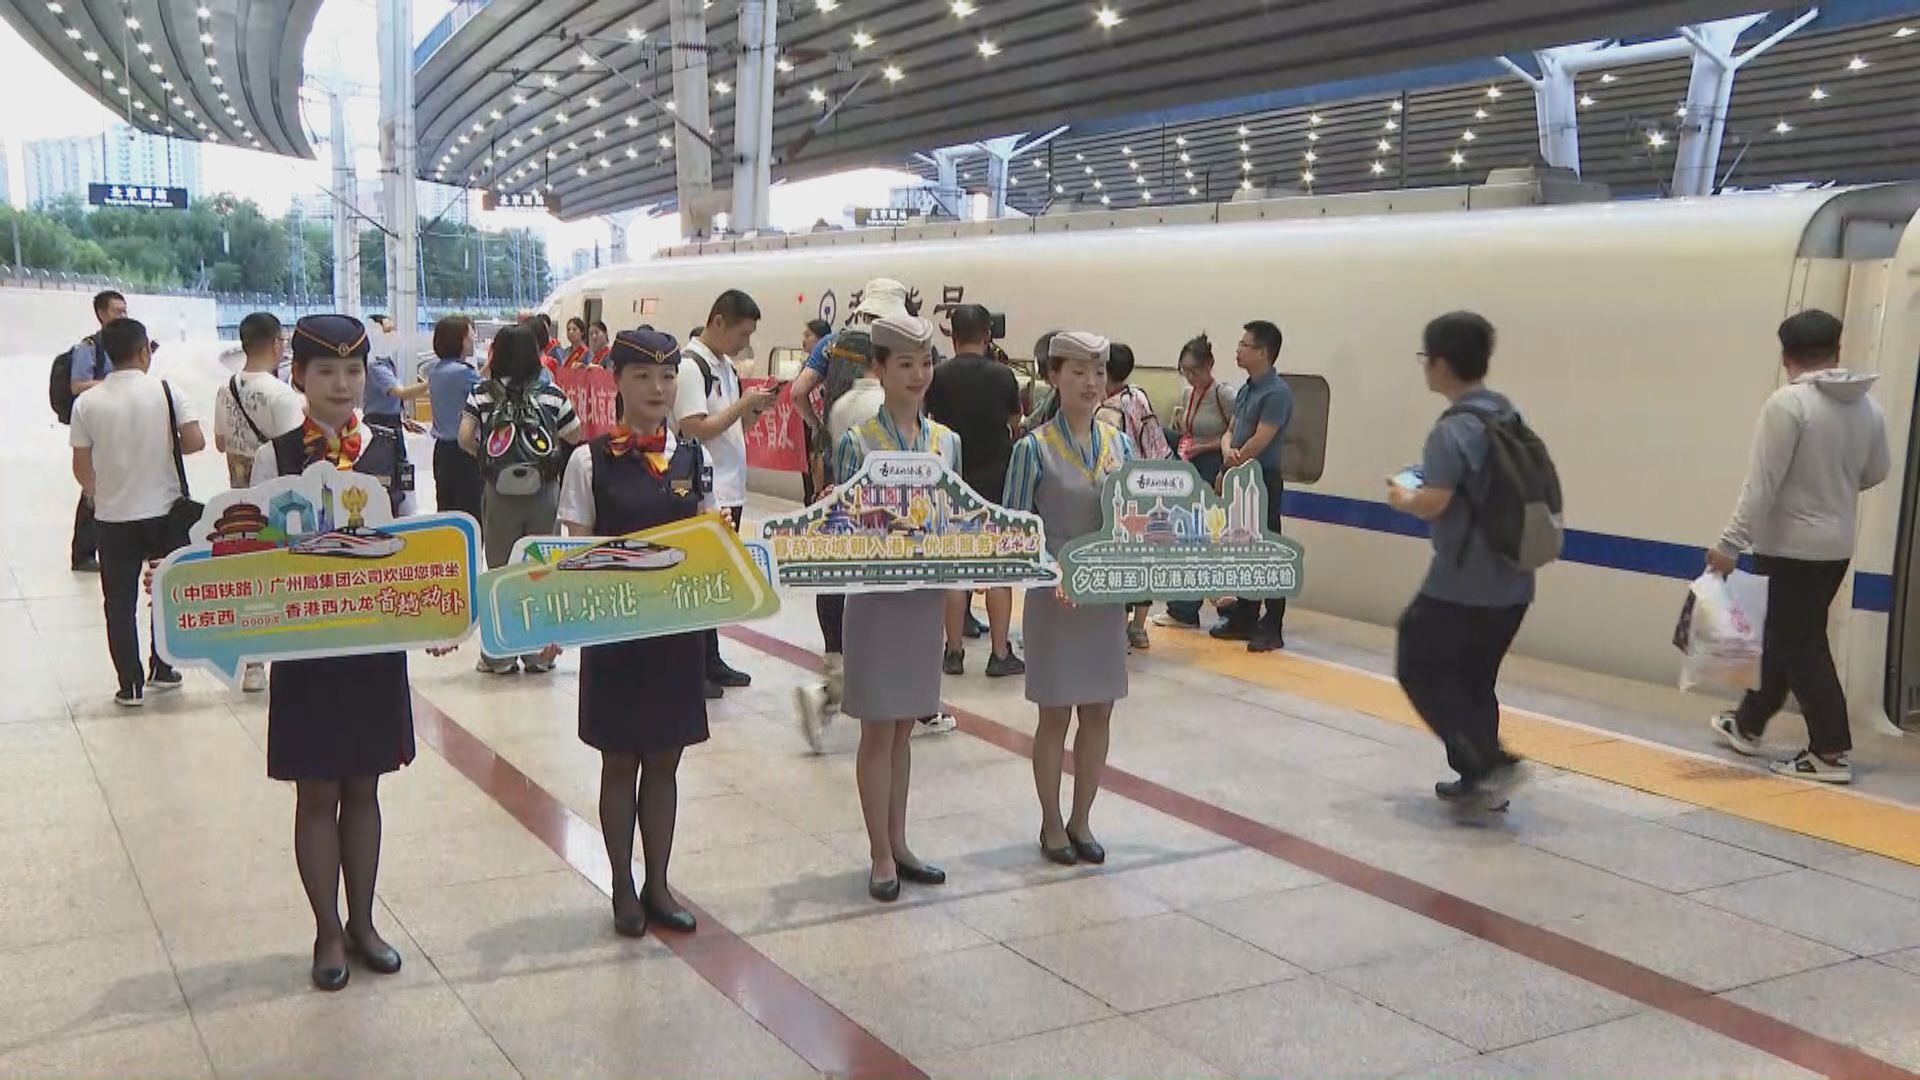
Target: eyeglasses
<point>1424,357</point>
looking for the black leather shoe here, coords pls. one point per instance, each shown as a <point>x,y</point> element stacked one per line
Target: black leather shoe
<point>679,920</point>
<point>382,961</point>
<point>1088,850</point>
<point>630,925</point>
<point>329,979</point>
<point>884,891</point>
<point>924,874</point>
<point>713,691</point>
<point>1064,854</point>
<point>728,677</point>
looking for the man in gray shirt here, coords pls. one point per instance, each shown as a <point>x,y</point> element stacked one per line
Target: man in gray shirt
<point>1455,635</point>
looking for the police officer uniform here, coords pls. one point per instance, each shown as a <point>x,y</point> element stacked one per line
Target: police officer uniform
<point>341,717</point>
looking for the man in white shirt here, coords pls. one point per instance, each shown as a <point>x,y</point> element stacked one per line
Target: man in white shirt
<point>90,368</point>
<point>123,457</point>
<point>710,407</point>
<point>255,407</point>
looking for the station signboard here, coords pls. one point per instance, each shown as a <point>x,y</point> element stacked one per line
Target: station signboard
<point>882,215</point>
<point>520,200</point>
<point>141,195</point>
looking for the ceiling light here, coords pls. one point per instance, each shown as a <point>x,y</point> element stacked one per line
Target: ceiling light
<point>1107,18</point>
<point>1185,157</point>
<point>592,102</point>
<point>553,155</point>
<point>166,84</point>
<point>1106,200</point>
<point>1377,168</point>
<point>534,131</point>
<point>1246,185</point>
<point>204,12</point>
<point>722,87</point>
<point>1088,169</point>
<point>145,49</point>
<point>634,33</point>
<point>1191,190</point>
<point>962,8</point>
<point>1395,106</point>
<point>1246,166</point>
<point>862,39</point>
<point>133,24</point>
<point>205,39</point>
<point>107,75</point>
<point>585,59</point>
<point>1479,114</point>
<point>1782,128</point>
<point>1392,124</point>
<point>988,49</point>
<point>1241,131</point>
<point>1097,185</point>
<point>1189,174</point>
<point>1608,78</point>
<point>603,163</point>
<point>572,146</point>
<point>1313,136</point>
<point>560,117</point>
<point>893,73</point>
<point>1383,146</point>
<point>1468,135</point>
<point>1244,148</point>
<point>633,121</point>
<point>213,61</point>
<point>784,65</point>
<point>1079,157</point>
<point>666,142</point>
<point>1493,92</point>
<point>1858,63</point>
<point>1140,180</point>
<point>91,56</point>
<point>519,99</point>
<point>515,144</point>
<point>1179,140</point>
<point>818,95</point>
<point>72,33</point>
<point>1311,157</point>
<point>672,106</point>
<point>1307,177</point>
<point>54,6</point>
<point>155,69</point>
<point>825,6</point>
<point>549,81</point>
<point>632,153</point>
<point>1134,165</point>
<point>1059,189</point>
<point>1146,196</point>
<point>1457,158</point>
<point>1681,111</point>
<point>178,100</point>
<point>1818,94</point>
<point>1586,101</point>
<point>124,92</point>
<point>478,126</point>
<point>581,171</point>
<point>1313,119</point>
<point>1656,139</point>
<point>599,133</point>
<point>1903,32</point>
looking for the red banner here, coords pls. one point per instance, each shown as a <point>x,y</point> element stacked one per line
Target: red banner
<point>593,392</point>
<point>778,441</point>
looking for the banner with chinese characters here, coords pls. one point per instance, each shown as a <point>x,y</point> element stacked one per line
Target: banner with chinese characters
<point>778,440</point>
<point>594,395</point>
<point>1168,536</point>
<point>310,566</point>
<point>906,521</point>
<point>690,575</point>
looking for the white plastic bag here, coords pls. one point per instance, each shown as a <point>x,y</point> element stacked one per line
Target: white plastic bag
<point>1720,632</point>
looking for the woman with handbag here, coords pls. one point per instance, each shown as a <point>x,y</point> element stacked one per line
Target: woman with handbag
<point>1201,422</point>
<point>335,725</point>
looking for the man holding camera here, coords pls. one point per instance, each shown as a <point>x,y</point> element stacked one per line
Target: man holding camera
<point>978,397</point>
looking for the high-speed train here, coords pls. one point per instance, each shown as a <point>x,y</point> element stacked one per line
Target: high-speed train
<point>1636,337</point>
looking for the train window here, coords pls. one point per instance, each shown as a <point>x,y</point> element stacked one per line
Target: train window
<point>592,313</point>
<point>785,362</point>
<point>646,305</point>
<point>1303,453</point>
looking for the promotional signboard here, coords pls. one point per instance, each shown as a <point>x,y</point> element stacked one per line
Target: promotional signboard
<point>1168,536</point>
<point>906,521</point>
<point>778,440</point>
<point>310,566</point>
<point>594,395</point>
<point>689,575</point>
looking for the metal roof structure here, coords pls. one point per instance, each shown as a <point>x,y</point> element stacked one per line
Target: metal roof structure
<point>221,71</point>
<point>519,95</point>
<point>1832,105</point>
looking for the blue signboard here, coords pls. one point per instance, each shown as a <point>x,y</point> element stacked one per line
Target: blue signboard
<point>156,198</point>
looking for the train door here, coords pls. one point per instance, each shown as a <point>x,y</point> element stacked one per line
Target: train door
<point>1903,615</point>
<point>592,314</point>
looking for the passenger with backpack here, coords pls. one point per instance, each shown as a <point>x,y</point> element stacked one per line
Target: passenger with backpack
<point>522,430</point>
<point>74,372</point>
<point>1488,488</point>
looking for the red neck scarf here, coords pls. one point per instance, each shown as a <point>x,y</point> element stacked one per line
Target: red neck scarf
<point>576,357</point>
<point>651,448</point>
<point>342,449</point>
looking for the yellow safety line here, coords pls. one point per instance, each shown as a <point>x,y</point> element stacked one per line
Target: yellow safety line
<point>1836,815</point>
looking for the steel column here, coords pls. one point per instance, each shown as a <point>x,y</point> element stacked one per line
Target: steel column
<point>399,151</point>
<point>753,116</point>
<point>346,198</point>
<point>692,156</point>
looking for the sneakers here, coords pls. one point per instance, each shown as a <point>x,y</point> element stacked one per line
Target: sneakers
<point>163,678</point>
<point>937,724</point>
<point>1808,765</point>
<point>130,698</point>
<point>503,666</point>
<point>1174,622</point>
<point>974,629</point>
<point>954,662</point>
<point>1137,637</point>
<point>810,703</point>
<point>1000,667</point>
<point>254,679</point>
<point>538,663</point>
<point>1739,741</point>
<point>835,669</point>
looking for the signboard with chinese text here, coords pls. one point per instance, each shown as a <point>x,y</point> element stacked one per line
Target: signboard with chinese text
<point>689,575</point>
<point>778,440</point>
<point>594,394</point>
<point>1167,536</point>
<point>906,521</point>
<point>138,195</point>
<point>881,215</point>
<point>310,566</point>
<point>520,200</point>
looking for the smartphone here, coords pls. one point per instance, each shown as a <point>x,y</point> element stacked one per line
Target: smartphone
<point>1410,478</point>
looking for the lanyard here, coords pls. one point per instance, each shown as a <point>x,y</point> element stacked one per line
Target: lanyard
<point>1193,402</point>
<point>1087,461</point>
<point>920,443</point>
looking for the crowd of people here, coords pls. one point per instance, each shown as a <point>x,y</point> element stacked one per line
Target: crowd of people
<point>508,450</point>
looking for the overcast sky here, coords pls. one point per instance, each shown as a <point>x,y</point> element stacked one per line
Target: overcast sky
<point>340,50</point>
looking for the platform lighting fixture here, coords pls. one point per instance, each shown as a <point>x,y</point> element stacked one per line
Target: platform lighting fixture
<point>893,73</point>
<point>1245,148</point>
<point>666,142</point>
<point>585,59</point>
<point>1097,185</point>
<point>1392,124</point>
<point>90,56</point>
<point>572,147</point>
<point>178,100</point>
<point>1313,136</point>
<point>133,24</point>
<point>1377,168</point>
<point>73,33</point>
<point>818,96</point>
<point>1457,159</point>
<point>1059,189</point>
<point>1656,139</point>
<point>1107,18</point>
<point>862,39</point>
<point>1106,200</point>
<point>54,6</point>
<point>145,49</point>
<point>1241,131</point>
<point>1307,177</point>
<point>519,99</point>
<point>1607,78</point>
<point>1468,135</point>
<point>205,38</point>
<point>1079,157</point>
<point>1313,119</point>
<point>1819,94</point>
<point>1681,111</point>
<point>632,120</point>
<point>1185,157</point>
<point>580,171</point>
<point>1193,191</point>
<point>1395,105</point>
<point>1189,174</point>
<point>592,102</point>
<point>634,33</point>
<point>559,117</point>
<point>213,62</point>
<point>1140,181</point>
<point>1246,166</point>
<point>549,82</point>
<point>1903,32</point>
<point>783,65</point>
<point>478,126</point>
<point>1782,128</point>
<point>1493,92</point>
<point>1586,101</point>
<point>988,49</point>
<point>1146,196</point>
<point>1179,140</point>
<point>535,131</point>
<point>1311,157</point>
<point>825,7</point>
<point>672,106</point>
<point>962,8</point>
<point>722,87</point>
<point>1384,146</point>
<point>1858,63</point>
<point>1479,114</point>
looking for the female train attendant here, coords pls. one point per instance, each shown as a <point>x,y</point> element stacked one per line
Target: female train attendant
<point>336,725</point>
<point>1076,656</point>
<point>641,702</point>
<point>575,352</point>
<point>893,641</point>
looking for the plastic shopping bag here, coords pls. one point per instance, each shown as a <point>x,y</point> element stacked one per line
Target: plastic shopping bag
<point>1720,630</point>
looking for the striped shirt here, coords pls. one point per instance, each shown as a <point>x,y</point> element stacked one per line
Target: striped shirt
<point>879,433</point>
<point>559,410</point>
<point>1110,449</point>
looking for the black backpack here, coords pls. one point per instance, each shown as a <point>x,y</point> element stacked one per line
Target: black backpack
<point>60,386</point>
<point>519,450</point>
<point>1520,513</point>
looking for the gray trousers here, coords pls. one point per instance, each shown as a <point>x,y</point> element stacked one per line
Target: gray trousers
<point>504,519</point>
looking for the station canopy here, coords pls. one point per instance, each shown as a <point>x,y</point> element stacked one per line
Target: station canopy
<point>217,71</point>
<point>575,97</point>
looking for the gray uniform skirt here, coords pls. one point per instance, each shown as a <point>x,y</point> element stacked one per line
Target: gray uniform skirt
<point>893,643</point>
<point>1075,655</point>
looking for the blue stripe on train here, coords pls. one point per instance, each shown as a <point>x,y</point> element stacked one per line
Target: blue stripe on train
<point>1871,592</point>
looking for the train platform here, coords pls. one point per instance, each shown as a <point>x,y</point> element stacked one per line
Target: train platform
<point>1283,897</point>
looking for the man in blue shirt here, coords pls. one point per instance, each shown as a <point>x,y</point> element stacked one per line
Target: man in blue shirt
<point>90,369</point>
<point>1261,411</point>
<point>1455,634</point>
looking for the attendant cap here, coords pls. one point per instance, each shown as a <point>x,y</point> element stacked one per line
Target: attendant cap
<point>1078,345</point>
<point>329,337</point>
<point>643,346</point>
<point>902,333</point>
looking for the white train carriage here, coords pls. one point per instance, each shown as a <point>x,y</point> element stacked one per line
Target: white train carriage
<point>1637,337</point>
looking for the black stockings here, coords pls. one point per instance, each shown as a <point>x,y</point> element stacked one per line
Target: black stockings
<point>336,835</point>
<point>641,788</point>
